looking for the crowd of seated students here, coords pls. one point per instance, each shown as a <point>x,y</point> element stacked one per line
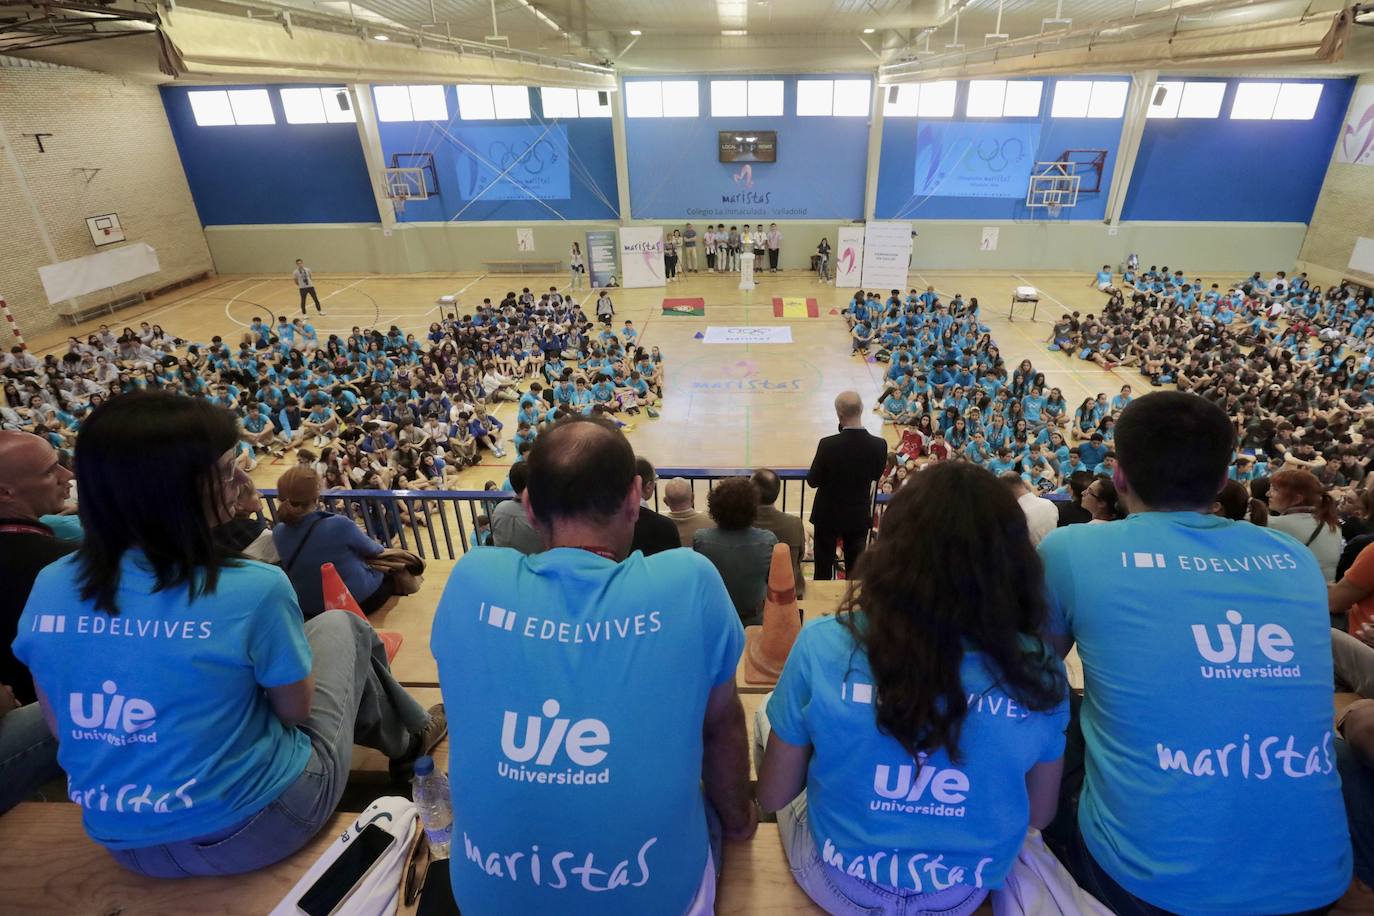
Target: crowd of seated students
<point>369,409</point>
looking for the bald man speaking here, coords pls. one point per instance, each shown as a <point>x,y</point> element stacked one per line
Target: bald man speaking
<point>845,468</point>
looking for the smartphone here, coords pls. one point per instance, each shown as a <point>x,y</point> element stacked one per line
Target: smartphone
<point>349,869</point>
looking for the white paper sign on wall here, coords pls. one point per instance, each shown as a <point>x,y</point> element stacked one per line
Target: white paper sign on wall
<point>989,239</point>
<point>524,240</point>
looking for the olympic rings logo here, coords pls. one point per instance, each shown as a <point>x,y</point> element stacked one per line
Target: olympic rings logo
<point>529,158</point>
<point>992,152</point>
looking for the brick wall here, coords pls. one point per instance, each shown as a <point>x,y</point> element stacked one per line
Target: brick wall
<point>1344,211</point>
<point>97,122</point>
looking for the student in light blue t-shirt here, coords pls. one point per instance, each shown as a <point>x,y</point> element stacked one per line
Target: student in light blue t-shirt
<point>1211,783</point>
<point>595,693</point>
<point>204,728</point>
<point>916,735</point>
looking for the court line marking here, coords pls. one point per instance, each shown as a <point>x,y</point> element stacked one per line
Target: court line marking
<point>228,314</point>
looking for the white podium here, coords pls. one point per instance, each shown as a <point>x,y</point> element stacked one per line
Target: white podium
<point>1024,295</point>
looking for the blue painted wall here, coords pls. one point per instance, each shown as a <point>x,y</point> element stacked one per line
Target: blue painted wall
<point>1262,171</point>
<point>897,197</point>
<point>675,172</point>
<point>587,158</point>
<point>272,173</point>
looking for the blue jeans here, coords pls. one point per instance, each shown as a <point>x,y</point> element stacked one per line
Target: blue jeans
<point>28,755</point>
<point>839,893</point>
<point>356,701</point>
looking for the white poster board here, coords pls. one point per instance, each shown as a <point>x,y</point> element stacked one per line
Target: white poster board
<point>641,256</point>
<point>102,270</point>
<point>887,255</point>
<point>1362,258</point>
<point>1356,143</point>
<point>989,240</point>
<point>524,239</point>
<point>848,255</point>
<point>766,334</point>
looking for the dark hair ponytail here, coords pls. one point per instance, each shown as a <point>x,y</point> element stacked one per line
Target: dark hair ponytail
<point>953,569</point>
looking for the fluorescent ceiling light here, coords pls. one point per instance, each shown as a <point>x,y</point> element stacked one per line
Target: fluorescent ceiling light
<point>636,32</point>
<point>868,31</point>
<point>734,32</point>
<point>380,38</point>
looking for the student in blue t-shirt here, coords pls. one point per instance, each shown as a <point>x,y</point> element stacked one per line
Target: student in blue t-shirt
<point>916,735</point>
<point>206,729</point>
<point>1211,783</point>
<point>595,693</point>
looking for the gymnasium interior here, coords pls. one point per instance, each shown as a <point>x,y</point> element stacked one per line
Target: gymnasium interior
<point>172,164</point>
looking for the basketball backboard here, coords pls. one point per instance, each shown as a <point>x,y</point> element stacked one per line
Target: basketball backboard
<point>105,229</point>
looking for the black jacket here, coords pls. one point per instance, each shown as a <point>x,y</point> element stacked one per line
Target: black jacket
<point>845,468</point>
<point>22,557</point>
<point>654,533</point>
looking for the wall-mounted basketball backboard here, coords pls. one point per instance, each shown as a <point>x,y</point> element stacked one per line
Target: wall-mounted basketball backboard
<point>105,230</point>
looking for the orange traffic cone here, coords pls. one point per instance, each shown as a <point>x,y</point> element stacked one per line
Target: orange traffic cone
<point>766,647</point>
<point>337,597</point>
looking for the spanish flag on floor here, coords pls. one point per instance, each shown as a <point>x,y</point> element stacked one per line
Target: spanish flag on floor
<point>691,307</point>
<point>795,307</point>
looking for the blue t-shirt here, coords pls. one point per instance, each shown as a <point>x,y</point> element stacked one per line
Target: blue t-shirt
<point>165,731</point>
<point>579,686</point>
<point>1211,782</point>
<point>876,815</point>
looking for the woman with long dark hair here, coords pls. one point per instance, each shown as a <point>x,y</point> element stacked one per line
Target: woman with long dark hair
<point>205,728</point>
<point>919,732</point>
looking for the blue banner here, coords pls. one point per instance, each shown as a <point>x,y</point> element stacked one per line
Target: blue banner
<point>601,252</point>
<point>513,163</point>
<point>960,159</point>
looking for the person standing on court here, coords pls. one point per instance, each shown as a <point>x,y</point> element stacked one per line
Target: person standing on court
<point>689,250</point>
<point>774,247</point>
<point>306,284</point>
<point>843,473</point>
<point>1205,725</point>
<point>604,753</point>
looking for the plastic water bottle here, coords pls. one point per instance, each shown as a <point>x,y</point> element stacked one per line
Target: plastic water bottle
<point>436,809</point>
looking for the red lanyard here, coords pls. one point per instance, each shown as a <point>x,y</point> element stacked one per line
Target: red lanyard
<point>22,528</point>
<point>599,551</point>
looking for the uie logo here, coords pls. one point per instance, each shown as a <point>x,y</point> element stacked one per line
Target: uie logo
<point>581,740</point>
<point>108,711</point>
<point>1273,641</point>
<point>947,786</point>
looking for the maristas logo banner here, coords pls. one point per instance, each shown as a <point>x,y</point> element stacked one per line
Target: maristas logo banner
<point>641,256</point>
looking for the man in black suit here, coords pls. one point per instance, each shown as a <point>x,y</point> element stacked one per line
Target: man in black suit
<point>845,468</point>
<point>1071,511</point>
<point>653,532</point>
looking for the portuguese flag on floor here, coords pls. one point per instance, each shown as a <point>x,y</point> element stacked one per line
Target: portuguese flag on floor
<point>795,307</point>
<point>690,307</point>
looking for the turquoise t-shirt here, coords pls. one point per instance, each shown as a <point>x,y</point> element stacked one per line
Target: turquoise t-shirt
<point>165,731</point>
<point>1211,782</point>
<point>874,814</point>
<point>579,688</point>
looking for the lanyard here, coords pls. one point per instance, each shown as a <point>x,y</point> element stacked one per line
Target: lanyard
<point>599,551</point>
<point>24,528</point>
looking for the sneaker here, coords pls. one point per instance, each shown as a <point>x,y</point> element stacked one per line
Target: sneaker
<point>421,745</point>
<point>651,412</point>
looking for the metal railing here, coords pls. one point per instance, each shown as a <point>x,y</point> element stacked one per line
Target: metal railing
<point>444,524</point>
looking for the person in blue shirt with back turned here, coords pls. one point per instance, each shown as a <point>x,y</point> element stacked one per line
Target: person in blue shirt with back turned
<point>915,736</point>
<point>604,751</point>
<point>205,728</point>
<point>1211,785</point>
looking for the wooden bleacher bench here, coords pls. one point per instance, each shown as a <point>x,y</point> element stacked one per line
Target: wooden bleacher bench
<point>79,313</point>
<point>524,266</point>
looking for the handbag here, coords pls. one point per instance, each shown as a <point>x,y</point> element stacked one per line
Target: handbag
<point>406,569</point>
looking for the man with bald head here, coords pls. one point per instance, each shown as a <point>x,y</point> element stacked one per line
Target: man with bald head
<point>32,484</point>
<point>677,495</point>
<point>604,753</point>
<point>844,471</point>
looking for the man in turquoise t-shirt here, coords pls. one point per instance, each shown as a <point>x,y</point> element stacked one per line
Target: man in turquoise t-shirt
<point>595,694</point>
<point>1211,783</point>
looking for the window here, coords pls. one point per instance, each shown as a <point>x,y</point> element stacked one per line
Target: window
<point>558,103</point>
<point>493,103</point>
<point>1173,99</point>
<point>1089,99</point>
<point>590,104</point>
<point>837,98</point>
<point>667,99</point>
<point>222,108</point>
<point>411,103</point>
<point>1003,98</point>
<point>926,100</point>
<point>1276,101</point>
<point>738,98</point>
<point>317,106</point>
